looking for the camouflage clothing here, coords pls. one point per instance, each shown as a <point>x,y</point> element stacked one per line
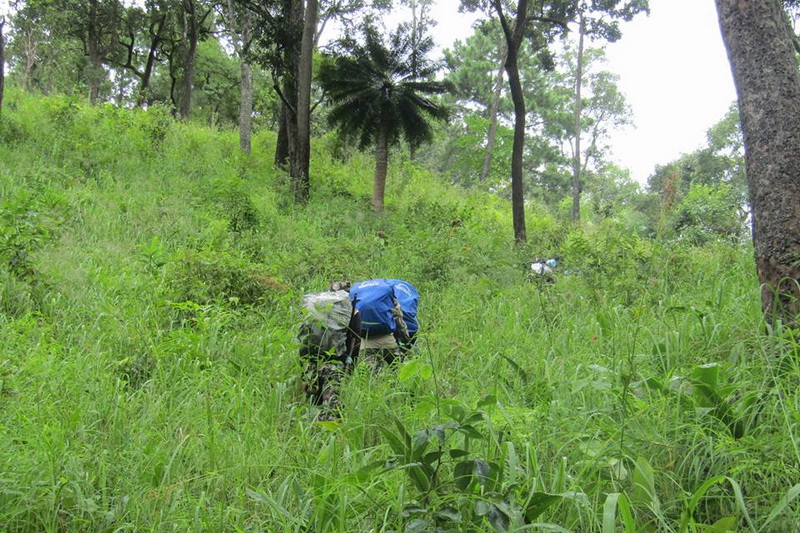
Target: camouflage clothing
<point>322,382</point>
<point>384,349</point>
<point>328,343</point>
<point>377,358</point>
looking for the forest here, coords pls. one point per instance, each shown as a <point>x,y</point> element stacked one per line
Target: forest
<point>176,174</point>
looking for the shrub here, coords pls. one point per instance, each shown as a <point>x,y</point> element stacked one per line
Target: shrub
<point>209,276</point>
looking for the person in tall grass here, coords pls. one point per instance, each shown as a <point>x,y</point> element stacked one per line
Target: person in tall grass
<point>385,335</point>
<point>329,344</point>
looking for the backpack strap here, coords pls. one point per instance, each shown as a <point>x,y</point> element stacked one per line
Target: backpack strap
<point>353,338</point>
<point>401,334</point>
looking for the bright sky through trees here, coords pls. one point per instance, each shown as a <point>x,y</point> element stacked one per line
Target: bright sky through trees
<point>673,71</point>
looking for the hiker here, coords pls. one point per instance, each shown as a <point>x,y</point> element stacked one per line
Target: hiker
<point>385,336</point>
<point>329,344</point>
<point>542,270</point>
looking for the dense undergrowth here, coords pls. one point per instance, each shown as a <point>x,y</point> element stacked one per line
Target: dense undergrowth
<point>150,278</point>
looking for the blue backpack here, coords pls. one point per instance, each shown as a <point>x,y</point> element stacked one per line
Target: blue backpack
<point>374,300</point>
<point>408,297</point>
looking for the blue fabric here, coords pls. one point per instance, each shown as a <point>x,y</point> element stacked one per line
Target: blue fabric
<point>374,300</point>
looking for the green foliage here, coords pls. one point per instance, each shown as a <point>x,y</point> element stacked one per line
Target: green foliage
<point>609,259</point>
<point>149,376</point>
<point>374,89</point>
<point>236,205</point>
<point>210,276</point>
<point>459,488</point>
<point>708,213</point>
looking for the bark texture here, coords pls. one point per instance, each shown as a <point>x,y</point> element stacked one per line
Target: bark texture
<point>767,82</point>
<point>191,35</point>
<point>2,63</point>
<point>577,185</point>
<point>381,166</point>
<point>493,110</point>
<point>302,182</point>
<point>514,36</point>
<point>246,108</point>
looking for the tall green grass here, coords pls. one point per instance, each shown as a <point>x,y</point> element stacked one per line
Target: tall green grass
<point>149,290</point>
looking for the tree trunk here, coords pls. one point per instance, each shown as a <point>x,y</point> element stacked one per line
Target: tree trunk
<point>302,182</point>
<point>246,89</point>
<point>2,63</point>
<point>282,144</point>
<point>381,165</point>
<point>493,110</point>
<point>285,149</point>
<point>191,33</point>
<point>95,55</point>
<point>517,189</point>
<point>151,59</point>
<point>514,38</point>
<point>29,53</point>
<point>577,186</point>
<point>246,108</point>
<point>767,82</point>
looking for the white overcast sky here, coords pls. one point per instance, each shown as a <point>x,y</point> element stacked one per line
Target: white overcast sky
<point>673,71</point>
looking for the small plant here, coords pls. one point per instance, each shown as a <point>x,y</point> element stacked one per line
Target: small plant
<point>23,230</point>
<point>236,205</point>
<point>209,276</point>
<point>711,392</point>
<point>465,476</point>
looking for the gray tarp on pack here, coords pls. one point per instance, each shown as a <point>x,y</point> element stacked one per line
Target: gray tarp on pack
<point>324,329</point>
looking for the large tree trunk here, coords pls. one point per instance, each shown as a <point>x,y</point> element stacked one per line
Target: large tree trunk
<point>246,89</point>
<point>302,182</point>
<point>381,166</point>
<point>2,63</point>
<point>285,149</point>
<point>29,54</point>
<point>514,38</point>
<point>155,40</point>
<point>577,186</point>
<point>95,55</point>
<point>493,110</point>
<point>282,144</point>
<point>765,72</point>
<point>517,189</point>
<point>245,108</point>
<point>191,33</point>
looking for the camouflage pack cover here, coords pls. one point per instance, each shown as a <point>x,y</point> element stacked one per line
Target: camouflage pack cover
<point>324,328</point>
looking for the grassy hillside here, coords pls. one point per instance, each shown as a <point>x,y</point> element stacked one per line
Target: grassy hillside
<point>150,279</point>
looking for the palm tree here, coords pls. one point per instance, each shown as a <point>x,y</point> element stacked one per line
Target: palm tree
<point>377,94</point>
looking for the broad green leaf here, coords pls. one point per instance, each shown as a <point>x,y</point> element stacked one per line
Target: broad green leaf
<point>482,507</point>
<point>432,457</point>
<point>420,443</point>
<point>688,513</point>
<point>723,525</point>
<point>481,470</point>
<point>470,431</point>
<point>616,501</point>
<point>420,478</point>
<point>395,443</point>
<point>449,513</point>
<point>491,399</point>
<point>462,474</point>
<point>644,486</point>
<point>498,518</point>
<point>539,503</point>
<point>409,369</point>
<point>365,472</point>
